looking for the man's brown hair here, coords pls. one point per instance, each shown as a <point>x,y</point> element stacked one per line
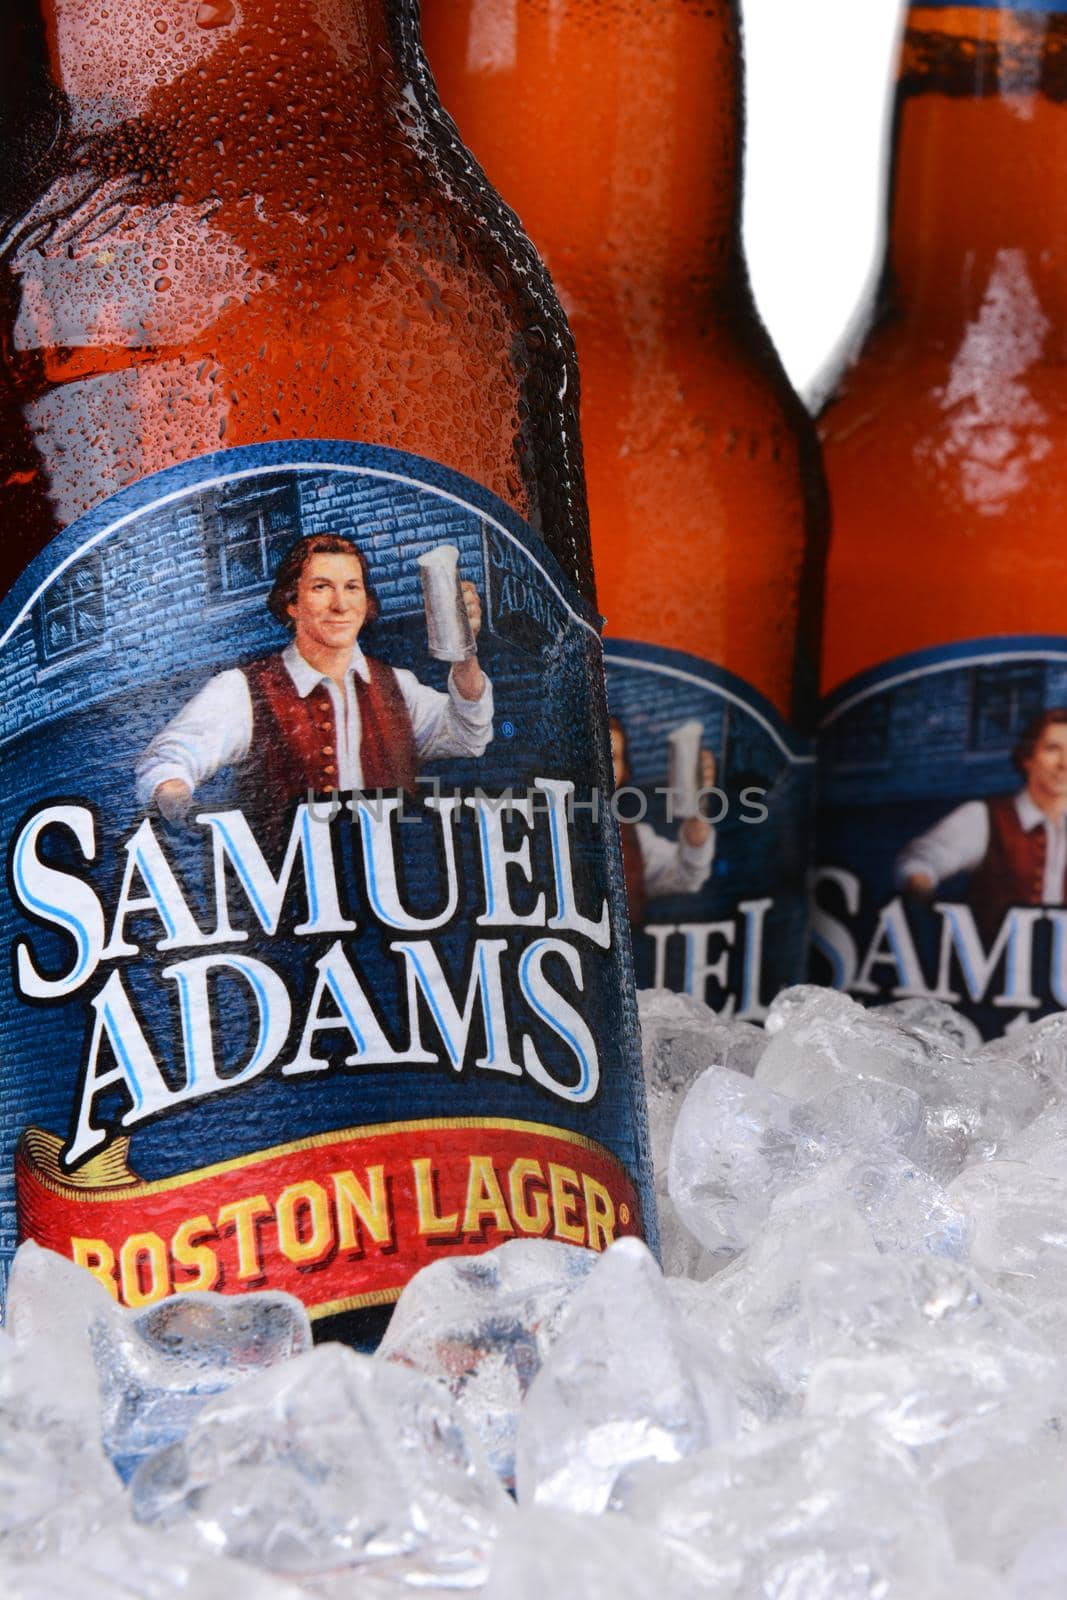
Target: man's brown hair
<point>1030,735</point>
<point>291,570</point>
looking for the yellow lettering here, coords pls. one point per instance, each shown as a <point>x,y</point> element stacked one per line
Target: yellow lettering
<point>520,1176</point>
<point>99,1259</point>
<point>430,1222</point>
<point>304,1200</point>
<point>199,1259</point>
<point>485,1198</point>
<point>144,1269</point>
<point>561,1180</point>
<point>244,1214</point>
<point>353,1202</point>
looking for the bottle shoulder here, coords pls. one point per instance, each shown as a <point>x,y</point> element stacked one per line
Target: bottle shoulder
<point>963,425</point>
<point>370,290</point>
<point>97,230</point>
<point>947,469</point>
<point>717,368</point>
<point>925,369</point>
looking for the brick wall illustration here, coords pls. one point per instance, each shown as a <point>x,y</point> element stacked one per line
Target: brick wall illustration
<point>925,742</point>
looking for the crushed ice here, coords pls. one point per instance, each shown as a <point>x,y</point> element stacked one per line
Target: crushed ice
<point>849,1384</point>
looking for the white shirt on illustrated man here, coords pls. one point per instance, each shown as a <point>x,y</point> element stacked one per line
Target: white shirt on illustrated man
<point>325,596</point>
<point>961,841</point>
<point>681,865</point>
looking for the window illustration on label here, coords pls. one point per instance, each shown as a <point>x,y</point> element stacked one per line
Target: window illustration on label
<point>714,800</point>
<point>312,923</point>
<point>942,835</point>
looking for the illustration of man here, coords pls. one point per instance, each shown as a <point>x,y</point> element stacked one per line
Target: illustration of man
<point>1014,846</point>
<point>320,715</point>
<point>655,865</point>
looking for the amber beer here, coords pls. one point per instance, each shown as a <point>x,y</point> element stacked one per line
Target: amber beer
<point>944,742</point>
<point>614,128</point>
<point>316,952</point>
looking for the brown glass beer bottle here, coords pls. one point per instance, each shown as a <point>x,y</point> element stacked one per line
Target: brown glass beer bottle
<point>614,129</point>
<point>317,958</point>
<point>944,742</point>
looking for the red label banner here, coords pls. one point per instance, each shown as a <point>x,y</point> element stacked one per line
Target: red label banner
<point>341,1220</point>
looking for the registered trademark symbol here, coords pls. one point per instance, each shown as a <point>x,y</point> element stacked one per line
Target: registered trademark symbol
<point>508,730</point>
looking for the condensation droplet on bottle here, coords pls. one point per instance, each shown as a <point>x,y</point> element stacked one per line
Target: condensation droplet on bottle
<point>215,13</point>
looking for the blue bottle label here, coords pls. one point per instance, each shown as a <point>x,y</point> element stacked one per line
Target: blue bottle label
<point>715,804</point>
<point>942,831</point>
<point>317,959</point>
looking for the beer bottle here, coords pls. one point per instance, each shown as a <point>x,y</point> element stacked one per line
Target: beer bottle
<point>944,739</point>
<point>615,130</point>
<point>316,954</point>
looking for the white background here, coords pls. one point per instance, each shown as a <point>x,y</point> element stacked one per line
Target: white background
<point>819,85</point>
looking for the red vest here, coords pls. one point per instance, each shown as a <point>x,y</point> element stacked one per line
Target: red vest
<point>294,746</point>
<point>1012,871</point>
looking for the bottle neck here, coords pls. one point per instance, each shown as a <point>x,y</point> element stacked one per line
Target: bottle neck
<point>616,138</point>
<point>110,61</point>
<point>979,160</point>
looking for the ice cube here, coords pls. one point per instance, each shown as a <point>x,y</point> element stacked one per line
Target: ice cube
<point>724,1342</point>
<point>998,1503</point>
<point>682,1037</point>
<point>621,1384</point>
<point>848,1209</point>
<point>824,1511</point>
<point>56,1484</point>
<point>882,1302</point>
<point>57,1487</point>
<point>827,1039</point>
<point>552,1554</point>
<point>125,1562</point>
<point>680,1252</point>
<point>331,1460</point>
<point>935,1358</point>
<point>1042,1144</point>
<point>733,1151</point>
<point>157,1367</point>
<point>989,1098</point>
<point>977,1583</point>
<point>764,1286</point>
<point>805,1000</point>
<point>935,1020</point>
<point>1040,1570</point>
<point>1016,1215</point>
<point>865,1114</point>
<point>904,1209</point>
<point>53,1309</point>
<point>1040,1049</point>
<point>483,1325</point>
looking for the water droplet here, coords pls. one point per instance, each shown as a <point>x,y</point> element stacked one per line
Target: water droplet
<point>215,13</point>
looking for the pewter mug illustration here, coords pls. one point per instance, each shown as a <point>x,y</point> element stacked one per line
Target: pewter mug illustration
<point>448,626</point>
<point>683,767</point>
